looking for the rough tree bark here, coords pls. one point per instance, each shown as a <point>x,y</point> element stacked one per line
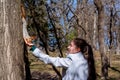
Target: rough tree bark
<point>11,42</point>
<point>95,31</point>
<point>104,59</point>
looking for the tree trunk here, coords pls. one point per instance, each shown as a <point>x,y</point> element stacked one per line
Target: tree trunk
<point>118,41</point>
<point>104,59</point>
<point>11,42</point>
<point>95,32</point>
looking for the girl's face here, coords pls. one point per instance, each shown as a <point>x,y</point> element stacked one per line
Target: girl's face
<point>72,48</point>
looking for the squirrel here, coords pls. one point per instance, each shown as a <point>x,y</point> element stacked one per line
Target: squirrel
<point>26,37</point>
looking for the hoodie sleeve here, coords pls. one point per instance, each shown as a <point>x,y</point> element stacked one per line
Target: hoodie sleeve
<point>56,61</point>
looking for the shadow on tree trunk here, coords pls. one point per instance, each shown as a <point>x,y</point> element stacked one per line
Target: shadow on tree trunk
<point>27,68</point>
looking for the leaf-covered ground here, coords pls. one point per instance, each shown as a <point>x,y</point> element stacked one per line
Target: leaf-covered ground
<point>36,75</point>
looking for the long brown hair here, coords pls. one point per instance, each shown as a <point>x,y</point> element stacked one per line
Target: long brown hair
<point>88,54</point>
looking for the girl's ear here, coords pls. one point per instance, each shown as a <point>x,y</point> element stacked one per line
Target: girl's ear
<point>78,49</point>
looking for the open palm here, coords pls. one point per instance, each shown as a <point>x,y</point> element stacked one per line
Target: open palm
<point>28,41</point>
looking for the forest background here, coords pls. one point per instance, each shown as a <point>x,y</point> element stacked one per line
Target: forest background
<point>55,23</point>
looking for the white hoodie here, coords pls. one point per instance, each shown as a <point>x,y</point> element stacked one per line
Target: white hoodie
<point>76,64</point>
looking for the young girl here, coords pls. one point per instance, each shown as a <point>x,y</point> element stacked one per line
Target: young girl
<point>79,61</point>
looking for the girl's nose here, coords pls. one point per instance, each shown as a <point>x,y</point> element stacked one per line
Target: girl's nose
<point>68,47</point>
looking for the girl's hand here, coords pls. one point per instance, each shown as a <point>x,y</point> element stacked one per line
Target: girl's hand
<point>28,41</point>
